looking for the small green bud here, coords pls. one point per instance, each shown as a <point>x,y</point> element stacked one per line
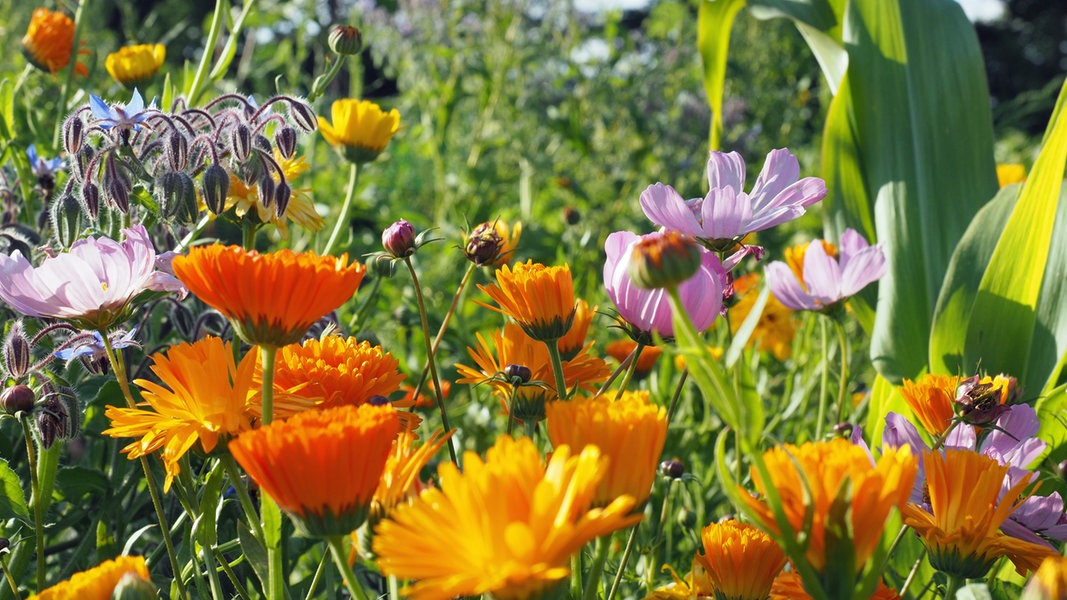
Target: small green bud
<point>134,587</point>
<point>346,40</point>
<point>663,260</point>
<point>66,217</point>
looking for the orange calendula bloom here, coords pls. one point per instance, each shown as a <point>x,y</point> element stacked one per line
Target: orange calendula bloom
<point>97,583</point>
<point>506,526</point>
<point>400,481</point>
<point>695,585</point>
<point>49,42</point>
<point>571,344</point>
<point>788,586</point>
<point>930,398</point>
<point>621,349</point>
<point>360,128</point>
<point>775,329</point>
<point>629,431</point>
<point>271,299</point>
<point>203,398</point>
<point>131,65</point>
<point>244,198</point>
<point>322,467</point>
<point>1050,580</point>
<point>873,489</point>
<point>962,532</point>
<point>740,560</point>
<point>539,298</point>
<point>510,346</point>
<point>333,371</point>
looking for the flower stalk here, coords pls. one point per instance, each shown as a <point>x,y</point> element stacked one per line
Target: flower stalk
<point>38,516</point>
<point>342,217</point>
<point>336,544</point>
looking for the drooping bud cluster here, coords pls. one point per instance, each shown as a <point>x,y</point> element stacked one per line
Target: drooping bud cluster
<point>57,416</point>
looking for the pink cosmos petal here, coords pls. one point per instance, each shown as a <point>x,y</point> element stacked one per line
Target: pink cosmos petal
<point>962,437</point>
<point>799,194</point>
<point>822,274</point>
<point>726,170</point>
<point>666,208</point>
<point>787,289</point>
<point>773,217</point>
<point>863,268</point>
<point>724,214</point>
<point>850,245</point>
<point>780,170</point>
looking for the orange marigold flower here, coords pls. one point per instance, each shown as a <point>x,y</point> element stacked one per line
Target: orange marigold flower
<point>1050,580</point>
<point>271,299</point>
<point>788,586</point>
<point>775,329</point>
<point>930,398</point>
<point>968,507</point>
<point>49,41</point>
<point>97,583</point>
<point>131,65</point>
<point>510,346</point>
<point>629,431</point>
<point>400,481</point>
<point>572,343</point>
<point>809,479</point>
<point>740,560</point>
<point>539,298</point>
<point>322,467</point>
<point>506,526</point>
<point>621,349</point>
<point>204,397</point>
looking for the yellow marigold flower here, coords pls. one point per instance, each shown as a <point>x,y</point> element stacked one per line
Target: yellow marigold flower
<point>510,346</point>
<point>360,129</point>
<point>629,431</point>
<point>203,398</point>
<point>244,197</point>
<point>824,467</point>
<point>968,508</point>
<point>695,585</point>
<point>788,586</point>
<point>271,299</point>
<point>131,65</point>
<point>620,349</point>
<point>506,526</point>
<point>400,481</point>
<point>49,41</point>
<point>333,371</point>
<point>1050,580</point>
<point>97,583</point>
<point>322,467</point>
<point>571,344</point>
<point>775,329</point>
<point>1008,174</point>
<point>930,399</point>
<point>740,560</point>
<point>539,298</point>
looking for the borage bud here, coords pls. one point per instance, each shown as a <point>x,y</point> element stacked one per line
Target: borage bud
<point>663,260</point>
<point>241,142</point>
<point>1061,470</point>
<point>399,239</point>
<point>173,191</point>
<point>16,399</point>
<point>5,544</point>
<point>261,143</point>
<point>843,430</point>
<point>215,184</point>
<point>66,217</point>
<point>54,419</point>
<point>91,199</point>
<point>483,245</point>
<point>73,134</point>
<point>118,194</point>
<point>286,141</point>
<point>517,374</point>
<point>265,188</point>
<point>17,352</point>
<point>346,40</point>
<point>177,151</point>
<point>673,468</point>
<point>302,115</point>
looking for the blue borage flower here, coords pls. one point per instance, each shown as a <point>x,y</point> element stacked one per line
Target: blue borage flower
<point>40,166</point>
<point>127,116</point>
<point>91,344</point>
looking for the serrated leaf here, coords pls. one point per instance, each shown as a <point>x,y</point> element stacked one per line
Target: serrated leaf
<point>12,500</point>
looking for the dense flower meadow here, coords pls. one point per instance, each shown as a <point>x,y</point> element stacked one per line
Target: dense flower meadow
<point>216,385</point>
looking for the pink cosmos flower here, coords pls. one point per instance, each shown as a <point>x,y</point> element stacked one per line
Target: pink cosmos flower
<point>649,311</point>
<point>91,285</point>
<point>827,280</point>
<point>727,212</point>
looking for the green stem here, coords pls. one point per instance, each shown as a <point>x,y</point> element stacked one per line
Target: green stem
<point>118,366</point>
<point>823,384</point>
<point>625,364</point>
<point>342,217</point>
<point>237,585</point>
<point>441,330</point>
<point>248,234</point>
<point>268,354</point>
<point>653,555</point>
<point>677,396</point>
<point>430,358</point>
<point>64,92</point>
<point>630,370</point>
<point>557,368</point>
<point>212,572</point>
<point>189,237</point>
<point>230,465</point>
<point>842,391</point>
<point>319,87</point>
<point>952,586</point>
<point>530,427</point>
<point>912,574</point>
<point>9,578</point>
<point>592,588</point>
<point>337,550</point>
<point>38,517</point>
<point>209,50</point>
<point>270,513</point>
<point>630,542</point>
<point>317,576</point>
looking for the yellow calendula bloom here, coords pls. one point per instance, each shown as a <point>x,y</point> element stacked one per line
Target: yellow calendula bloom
<point>874,489</point>
<point>962,531</point>
<point>360,129</point>
<point>322,467</point>
<point>629,431</point>
<point>1049,581</point>
<point>505,526</point>
<point>695,585</point>
<point>1010,173</point>
<point>539,298</point>
<point>131,65</point>
<point>794,257</point>
<point>775,329</point>
<point>244,197</point>
<point>49,42</point>
<point>740,560</point>
<point>788,586</point>
<point>203,399</point>
<point>400,481</point>
<point>97,583</point>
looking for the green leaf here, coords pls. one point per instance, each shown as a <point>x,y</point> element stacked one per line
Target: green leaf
<point>1052,415</point>
<point>885,398</point>
<point>75,483</point>
<point>715,21</point>
<point>12,499</point>
<point>255,553</point>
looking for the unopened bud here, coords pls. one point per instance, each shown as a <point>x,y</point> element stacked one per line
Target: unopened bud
<point>241,142</point>
<point>53,419</point>
<point>282,194</point>
<point>169,193</point>
<point>346,40</point>
<point>66,218</point>
<point>571,216</point>
<point>5,545</point>
<point>118,194</point>
<point>286,141</point>
<point>215,184</point>
<point>843,430</point>
<point>134,587</point>
<point>261,143</point>
<point>673,468</point>
<point>303,116</point>
<point>399,239</point>
<point>177,151</point>
<point>73,134</point>
<point>182,319</point>
<point>265,188</point>
<point>17,352</point>
<point>91,199</point>
<point>517,374</point>
<point>81,162</point>
<point>377,400</point>
<point>662,260</point>
<point>483,245</point>
<point>16,399</point>
<point>1061,470</point>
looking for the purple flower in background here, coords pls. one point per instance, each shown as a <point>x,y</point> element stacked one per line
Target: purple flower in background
<point>91,344</point>
<point>649,311</point>
<point>827,280</point>
<point>41,167</point>
<point>120,116</point>
<point>727,213</point>
<point>91,285</point>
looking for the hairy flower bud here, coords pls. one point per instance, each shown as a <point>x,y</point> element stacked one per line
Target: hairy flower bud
<point>16,399</point>
<point>282,194</point>
<point>18,354</point>
<point>673,468</point>
<point>663,260</point>
<point>215,184</point>
<point>57,416</point>
<point>285,139</point>
<point>265,188</point>
<point>346,40</point>
<point>73,134</point>
<point>91,199</point>
<point>399,239</point>
<point>168,193</point>
<point>241,142</point>
<point>177,151</point>
<point>66,218</point>
<point>80,163</point>
<point>483,245</point>
<point>301,114</point>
